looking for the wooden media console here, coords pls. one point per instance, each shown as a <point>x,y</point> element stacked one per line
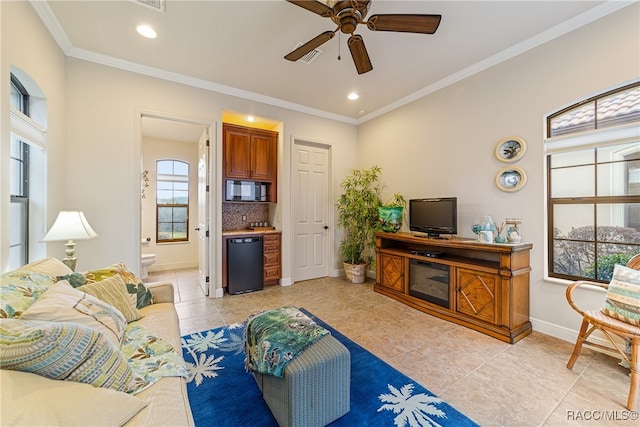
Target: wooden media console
<point>478,285</point>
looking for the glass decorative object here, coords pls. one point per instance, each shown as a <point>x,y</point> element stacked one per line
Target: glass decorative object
<point>514,230</point>
<point>483,223</point>
<point>499,238</point>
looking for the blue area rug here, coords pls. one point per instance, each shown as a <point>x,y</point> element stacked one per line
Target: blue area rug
<point>222,393</point>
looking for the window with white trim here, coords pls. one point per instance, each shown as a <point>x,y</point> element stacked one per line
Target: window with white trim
<point>19,183</point>
<point>593,185</point>
<point>172,201</point>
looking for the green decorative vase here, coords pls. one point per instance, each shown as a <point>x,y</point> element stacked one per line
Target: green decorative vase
<point>390,218</point>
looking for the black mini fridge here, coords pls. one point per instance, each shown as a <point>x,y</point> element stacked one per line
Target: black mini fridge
<point>245,271</point>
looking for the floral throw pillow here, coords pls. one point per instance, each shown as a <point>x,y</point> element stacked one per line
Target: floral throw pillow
<point>139,293</point>
<point>20,289</point>
<point>74,279</point>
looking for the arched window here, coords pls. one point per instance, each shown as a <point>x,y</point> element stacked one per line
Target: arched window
<point>593,185</point>
<point>172,201</point>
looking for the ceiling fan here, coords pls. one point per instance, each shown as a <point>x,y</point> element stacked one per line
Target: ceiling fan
<point>347,14</point>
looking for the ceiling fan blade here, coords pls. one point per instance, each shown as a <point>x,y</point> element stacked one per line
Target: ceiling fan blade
<point>359,54</point>
<point>405,23</point>
<point>314,6</point>
<point>309,46</point>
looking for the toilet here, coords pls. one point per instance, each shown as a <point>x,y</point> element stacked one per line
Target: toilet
<point>146,261</point>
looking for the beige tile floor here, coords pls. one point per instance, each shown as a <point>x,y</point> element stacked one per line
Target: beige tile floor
<point>494,383</point>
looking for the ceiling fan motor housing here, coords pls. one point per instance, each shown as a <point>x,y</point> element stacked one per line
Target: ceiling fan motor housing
<point>347,14</point>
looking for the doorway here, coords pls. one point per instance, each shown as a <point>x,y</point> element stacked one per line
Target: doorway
<point>312,222</point>
<point>169,137</point>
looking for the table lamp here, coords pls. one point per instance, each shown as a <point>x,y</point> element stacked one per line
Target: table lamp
<point>70,226</point>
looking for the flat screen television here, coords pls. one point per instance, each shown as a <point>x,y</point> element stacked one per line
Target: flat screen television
<point>434,216</point>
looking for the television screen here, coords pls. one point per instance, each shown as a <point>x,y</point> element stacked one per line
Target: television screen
<point>434,216</point>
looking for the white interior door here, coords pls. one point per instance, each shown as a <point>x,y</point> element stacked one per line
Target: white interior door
<point>203,211</point>
<point>311,210</point>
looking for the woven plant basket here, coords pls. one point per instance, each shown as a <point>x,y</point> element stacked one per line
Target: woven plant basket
<point>356,273</point>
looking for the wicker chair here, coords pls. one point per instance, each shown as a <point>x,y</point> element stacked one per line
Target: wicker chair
<point>596,320</point>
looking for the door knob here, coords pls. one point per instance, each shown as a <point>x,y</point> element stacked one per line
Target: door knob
<point>197,228</point>
<point>326,227</point>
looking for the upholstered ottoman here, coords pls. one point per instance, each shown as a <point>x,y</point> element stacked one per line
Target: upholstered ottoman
<point>315,388</point>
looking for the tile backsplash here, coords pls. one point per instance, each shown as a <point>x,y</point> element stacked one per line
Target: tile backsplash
<point>232,214</point>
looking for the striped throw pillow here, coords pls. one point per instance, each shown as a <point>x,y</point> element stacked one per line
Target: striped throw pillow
<point>623,296</point>
<point>113,291</point>
<point>63,351</point>
<point>139,293</point>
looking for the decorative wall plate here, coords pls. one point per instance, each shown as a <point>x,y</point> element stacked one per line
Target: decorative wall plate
<point>511,178</point>
<point>510,149</point>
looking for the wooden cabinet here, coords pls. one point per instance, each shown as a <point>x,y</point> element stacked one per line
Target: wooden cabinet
<point>250,154</point>
<point>477,294</point>
<point>391,272</point>
<point>263,149</point>
<point>272,261</point>
<point>485,286</point>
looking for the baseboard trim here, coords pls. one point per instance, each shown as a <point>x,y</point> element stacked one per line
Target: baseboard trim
<point>571,335</point>
<point>173,266</point>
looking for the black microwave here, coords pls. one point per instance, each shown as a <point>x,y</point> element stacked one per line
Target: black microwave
<point>246,191</point>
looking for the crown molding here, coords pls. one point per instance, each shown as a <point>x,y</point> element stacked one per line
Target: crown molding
<point>134,67</point>
<point>53,25</point>
<point>572,24</point>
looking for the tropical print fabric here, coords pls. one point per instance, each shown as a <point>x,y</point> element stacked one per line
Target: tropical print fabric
<point>274,337</point>
<point>139,293</point>
<point>74,279</point>
<point>20,289</point>
<point>151,358</point>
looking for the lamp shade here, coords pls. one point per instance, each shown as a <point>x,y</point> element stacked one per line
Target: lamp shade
<point>70,225</point>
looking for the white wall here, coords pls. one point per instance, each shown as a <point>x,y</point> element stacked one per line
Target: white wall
<point>443,144</point>
<point>169,256</point>
<point>104,150</point>
<point>26,44</point>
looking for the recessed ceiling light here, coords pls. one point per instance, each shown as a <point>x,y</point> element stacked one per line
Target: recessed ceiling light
<point>146,31</point>
<point>251,119</point>
<point>353,96</point>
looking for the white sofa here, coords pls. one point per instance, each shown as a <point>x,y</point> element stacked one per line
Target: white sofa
<point>30,399</point>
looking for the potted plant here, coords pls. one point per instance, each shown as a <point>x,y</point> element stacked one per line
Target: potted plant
<point>357,209</point>
<point>391,212</point>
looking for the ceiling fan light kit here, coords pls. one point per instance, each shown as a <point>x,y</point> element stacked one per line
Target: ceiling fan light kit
<point>347,15</point>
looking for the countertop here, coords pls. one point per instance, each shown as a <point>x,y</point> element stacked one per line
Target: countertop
<point>248,232</point>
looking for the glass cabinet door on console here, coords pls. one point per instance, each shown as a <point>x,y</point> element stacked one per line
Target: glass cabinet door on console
<point>477,294</point>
